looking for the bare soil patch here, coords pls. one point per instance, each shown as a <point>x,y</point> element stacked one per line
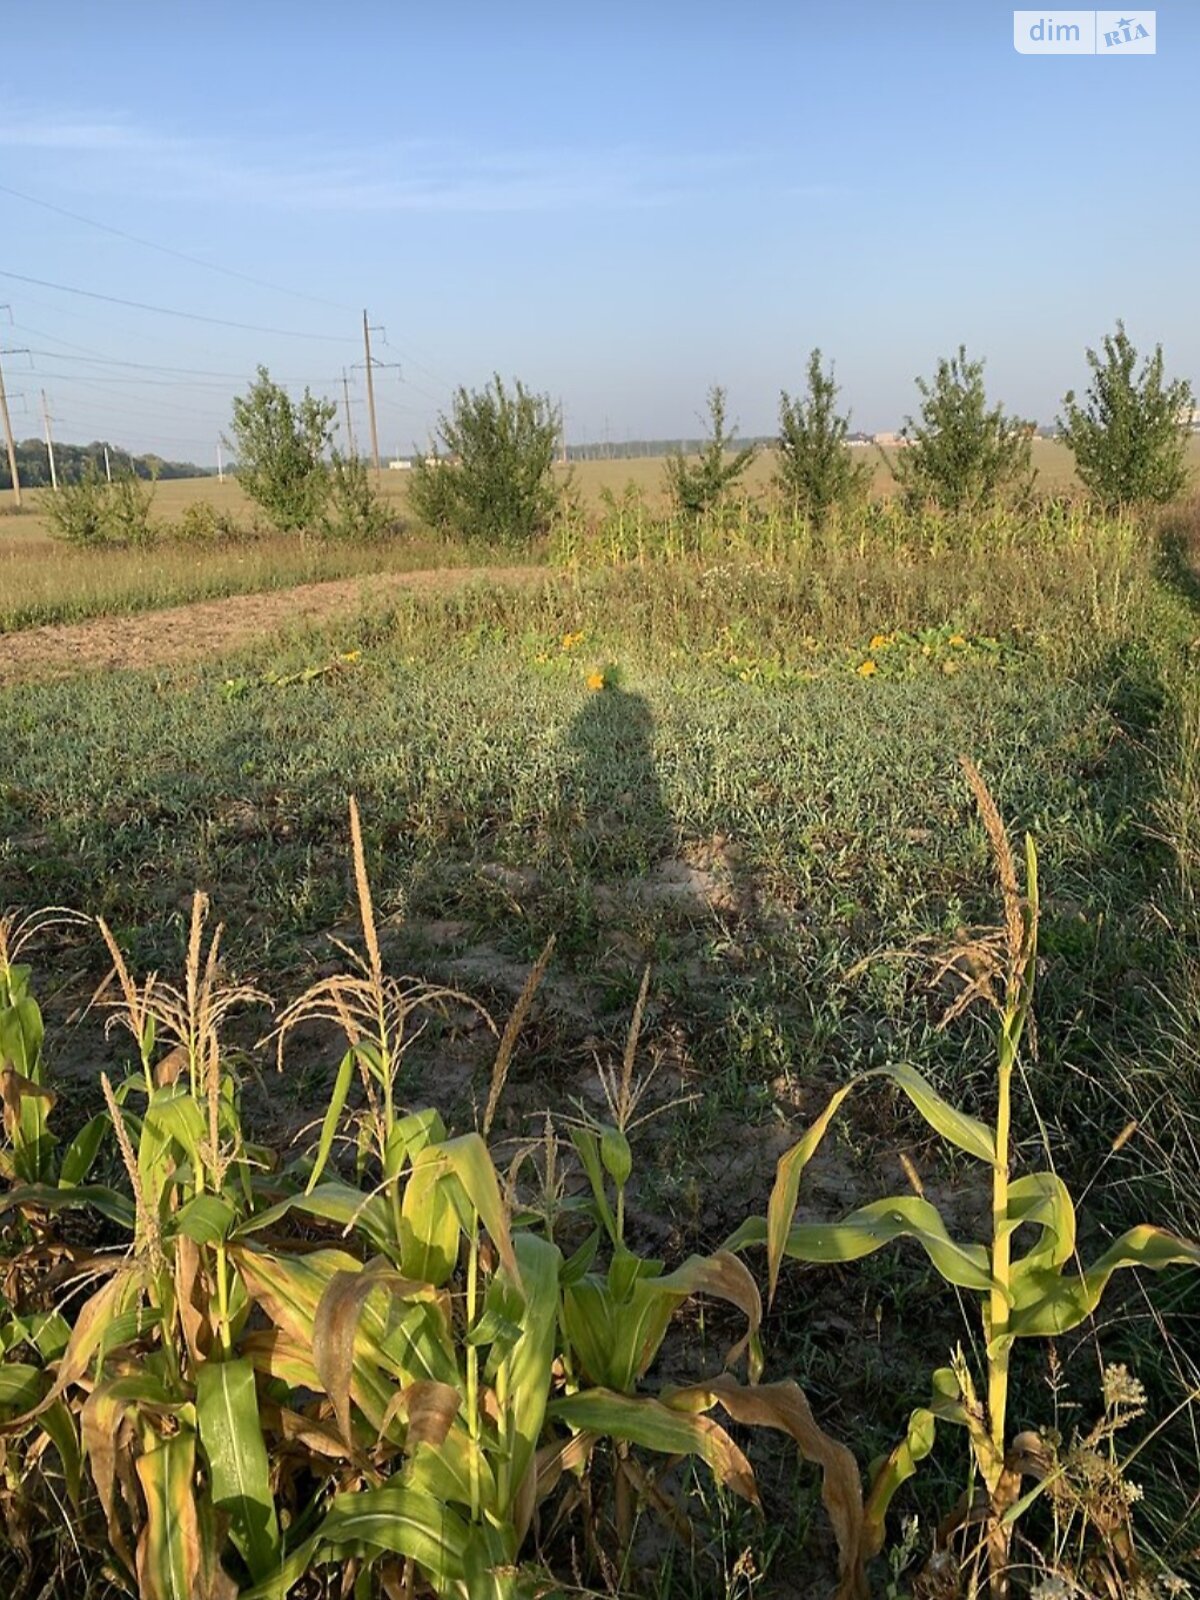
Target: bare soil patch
<point>212,627</point>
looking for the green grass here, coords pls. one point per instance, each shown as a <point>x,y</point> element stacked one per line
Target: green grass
<point>739,808</point>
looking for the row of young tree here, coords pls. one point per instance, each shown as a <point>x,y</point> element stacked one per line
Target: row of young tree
<point>491,474</point>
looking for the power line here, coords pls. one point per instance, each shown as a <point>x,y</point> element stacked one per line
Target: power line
<point>211,379</point>
<point>167,250</point>
<point>139,366</point>
<point>169,311</point>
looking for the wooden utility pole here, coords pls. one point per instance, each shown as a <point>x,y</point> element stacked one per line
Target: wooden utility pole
<point>371,392</point>
<point>49,443</point>
<point>10,442</point>
<point>107,465</point>
<point>349,422</point>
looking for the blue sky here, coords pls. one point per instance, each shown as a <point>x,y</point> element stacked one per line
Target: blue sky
<point>621,205</point>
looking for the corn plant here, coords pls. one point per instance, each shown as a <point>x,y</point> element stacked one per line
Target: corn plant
<point>1039,1293</point>
<point>27,1155</point>
<point>441,1355</point>
<point>614,1322</point>
<point>163,1410</point>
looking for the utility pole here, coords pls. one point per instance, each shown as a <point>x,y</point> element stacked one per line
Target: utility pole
<point>107,465</point>
<point>49,443</point>
<point>10,442</point>
<point>349,422</point>
<point>371,391</point>
<point>220,463</point>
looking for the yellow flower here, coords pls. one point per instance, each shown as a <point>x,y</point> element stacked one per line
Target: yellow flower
<point>351,655</point>
<point>957,641</point>
<point>542,657</point>
<point>880,641</point>
<point>868,669</point>
<point>570,640</point>
<point>595,680</point>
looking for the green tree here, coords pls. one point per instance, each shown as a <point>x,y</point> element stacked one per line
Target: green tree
<point>355,510</point>
<point>1130,438</point>
<point>816,470</point>
<point>703,487</point>
<point>280,448</point>
<point>492,477</point>
<point>963,455</point>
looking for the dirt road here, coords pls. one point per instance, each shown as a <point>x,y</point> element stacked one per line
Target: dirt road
<point>213,627</point>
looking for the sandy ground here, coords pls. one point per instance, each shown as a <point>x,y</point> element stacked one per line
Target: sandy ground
<point>212,627</point>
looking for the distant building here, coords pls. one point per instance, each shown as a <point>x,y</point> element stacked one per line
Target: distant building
<point>400,466</point>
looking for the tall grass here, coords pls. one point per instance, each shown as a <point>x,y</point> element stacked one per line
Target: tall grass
<point>49,583</point>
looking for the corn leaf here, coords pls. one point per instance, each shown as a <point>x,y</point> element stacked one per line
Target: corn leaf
<point>329,1126</point>
<point>1047,1302</point>
<point>895,1469</point>
<point>527,1367</point>
<point>785,1406</point>
<point>52,1198</point>
<point>342,1358</point>
<point>468,1158</point>
<point>205,1219</point>
<point>967,1132</point>
<point>79,1155</point>
<point>403,1520</point>
<point>333,1202</point>
<point>429,1225</point>
<point>1043,1200</point>
<point>871,1227</point>
<point>59,1423</point>
<point>637,1419</point>
<point>168,1551</point>
<point>231,1438</point>
<point>955,1126</point>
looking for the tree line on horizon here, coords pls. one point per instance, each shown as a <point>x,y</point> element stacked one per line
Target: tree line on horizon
<point>74,462</point>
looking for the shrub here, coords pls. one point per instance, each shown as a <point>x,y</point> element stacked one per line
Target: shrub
<point>492,478</point>
<point>202,523</point>
<point>816,471</point>
<point>962,455</point>
<point>280,449</point>
<point>128,504</point>
<point>92,512</point>
<point>356,509</point>
<point>77,512</point>
<point>705,486</point>
<point>1130,438</point>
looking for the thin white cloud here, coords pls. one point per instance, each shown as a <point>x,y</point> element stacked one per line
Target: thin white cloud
<point>417,176</point>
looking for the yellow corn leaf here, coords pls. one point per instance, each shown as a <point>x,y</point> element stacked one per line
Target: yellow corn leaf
<point>637,1419</point>
<point>871,1227</point>
<point>967,1132</point>
<point>340,1357</point>
<point>1043,1200</point>
<point>785,1406</point>
<point>895,1469</point>
<point>168,1551</point>
<point>91,1325</point>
